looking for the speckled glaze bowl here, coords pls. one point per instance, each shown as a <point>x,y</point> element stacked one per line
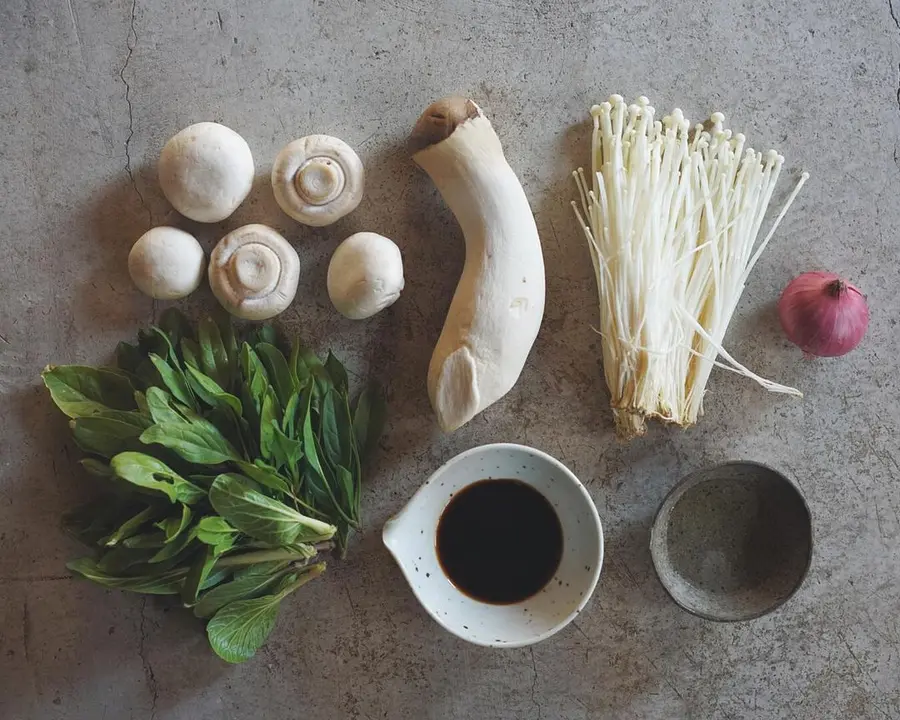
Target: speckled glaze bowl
<point>732,542</point>
<point>410,536</point>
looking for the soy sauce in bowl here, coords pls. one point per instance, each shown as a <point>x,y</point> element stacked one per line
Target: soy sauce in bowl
<point>499,541</point>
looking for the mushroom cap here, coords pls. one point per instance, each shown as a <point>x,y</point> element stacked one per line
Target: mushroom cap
<point>206,171</point>
<point>166,263</point>
<point>317,179</point>
<point>253,272</point>
<point>365,275</point>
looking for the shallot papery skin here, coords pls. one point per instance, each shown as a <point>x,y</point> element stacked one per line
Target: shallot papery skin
<point>823,314</point>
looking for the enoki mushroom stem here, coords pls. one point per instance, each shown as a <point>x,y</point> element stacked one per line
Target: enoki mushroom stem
<point>671,215</point>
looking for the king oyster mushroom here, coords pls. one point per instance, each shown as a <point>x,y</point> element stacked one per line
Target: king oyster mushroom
<point>206,171</point>
<point>166,263</point>
<point>317,179</point>
<point>254,272</point>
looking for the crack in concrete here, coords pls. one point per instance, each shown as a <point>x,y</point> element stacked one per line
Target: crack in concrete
<point>26,629</point>
<point>33,578</point>
<point>148,668</point>
<point>896,19</point>
<point>534,680</point>
<point>131,42</point>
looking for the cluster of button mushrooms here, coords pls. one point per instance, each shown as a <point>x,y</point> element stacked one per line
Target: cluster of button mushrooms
<point>207,170</point>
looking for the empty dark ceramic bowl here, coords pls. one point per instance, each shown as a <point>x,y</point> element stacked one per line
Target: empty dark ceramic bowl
<point>732,542</point>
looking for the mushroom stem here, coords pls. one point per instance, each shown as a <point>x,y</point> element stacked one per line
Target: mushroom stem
<point>319,181</point>
<point>253,272</point>
<point>499,302</point>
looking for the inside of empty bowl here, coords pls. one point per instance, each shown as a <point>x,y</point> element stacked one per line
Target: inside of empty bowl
<point>733,542</point>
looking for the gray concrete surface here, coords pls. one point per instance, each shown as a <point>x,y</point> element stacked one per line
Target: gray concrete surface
<point>90,90</point>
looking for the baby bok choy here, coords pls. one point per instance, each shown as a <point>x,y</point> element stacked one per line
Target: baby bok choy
<point>226,466</point>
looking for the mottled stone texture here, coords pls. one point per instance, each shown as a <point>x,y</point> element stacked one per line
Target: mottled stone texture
<point>90,90</point>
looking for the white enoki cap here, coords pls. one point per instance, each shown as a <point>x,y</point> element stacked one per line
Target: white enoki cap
<point>206,171</point>
<point>166,263</point>
<point>317,179</point>
<point>253,272</point>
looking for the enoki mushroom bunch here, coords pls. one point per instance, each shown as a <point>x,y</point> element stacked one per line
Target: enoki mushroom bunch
<point>671,214</point>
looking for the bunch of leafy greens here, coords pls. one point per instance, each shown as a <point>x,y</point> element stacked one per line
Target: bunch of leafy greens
<point>226,467</point>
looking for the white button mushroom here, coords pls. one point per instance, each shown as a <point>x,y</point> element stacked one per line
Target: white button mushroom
<point>206,171</point>
<point>365,275</point>
<point>254,272</point>
<point>166,263</point>
<point>317,179</point>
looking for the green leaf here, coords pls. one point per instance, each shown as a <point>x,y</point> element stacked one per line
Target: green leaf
<point>229,341</point>
<point>268,420</point>
<point>91,522</point>
<point>266,476</point>
<point>81,391</point>
<point>160,407</point>
<point>167,583</point>
<point>190,351</point>
<point>130,417</point>
<point>151,539</point>
<point>196,442</point>
<point>240,628</point>
<point>242,588</point>
<point>173,525</point>
<point>297,364</point>
<point>330,433</point>
<point>368,420</point>
<point>264,334</point>
<point>198,573</point>
<point>289,421</point>
<point>213,355</point>
<point>173,549</point>
<point>307,357</point>
<point>337,373</point>
<point>131,526</point>
<point>288,452</point>
<point>215,530</point>
<point>277,370</point>
<point>166,344</point>
<point>261,517</point>
<point>347,438</point>
<point>348,489</point>
<point>210,392</point>
<point>269,567</point>
<point>154,340</point>
<point>148,473</point>
<point>129,357</point>
<point>309,435</point>
<point>140,399</point>
<point>104,436</point>
<point>173,379</point>
<point>176,326</point>
<point>96,468</point>
<point>121,559</point>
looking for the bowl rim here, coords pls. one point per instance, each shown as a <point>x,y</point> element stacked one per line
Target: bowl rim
<point>692,479</point>
<point>592,508</point>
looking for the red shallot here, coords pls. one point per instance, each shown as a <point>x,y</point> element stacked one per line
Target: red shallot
<point>823,314</point>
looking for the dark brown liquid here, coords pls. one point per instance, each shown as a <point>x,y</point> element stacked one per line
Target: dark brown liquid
<point>499,541</point>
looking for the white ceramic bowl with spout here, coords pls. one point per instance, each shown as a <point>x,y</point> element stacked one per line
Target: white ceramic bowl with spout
<point>410,536</point>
